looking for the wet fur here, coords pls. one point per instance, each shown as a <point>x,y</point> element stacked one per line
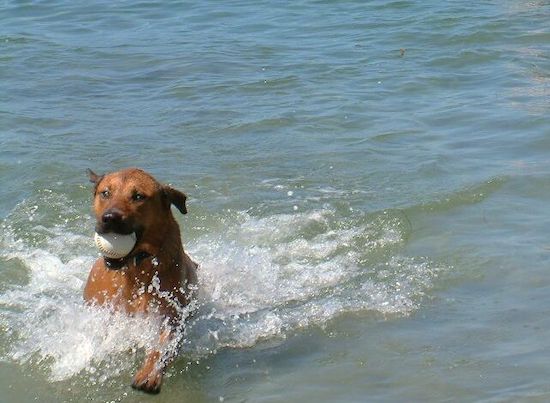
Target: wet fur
<point>142,205</point>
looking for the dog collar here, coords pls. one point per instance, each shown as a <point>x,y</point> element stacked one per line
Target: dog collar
<point>117,264</point>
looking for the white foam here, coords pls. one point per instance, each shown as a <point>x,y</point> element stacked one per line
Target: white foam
<point>260,279</point>
<point>265,277</point>
<point>51,324</point>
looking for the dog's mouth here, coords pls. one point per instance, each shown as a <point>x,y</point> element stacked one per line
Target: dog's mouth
<point>114,227</point>
<point>116,255</point>
<point>119,228</point>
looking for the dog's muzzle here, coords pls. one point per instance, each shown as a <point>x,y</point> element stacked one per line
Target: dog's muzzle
<point>114,220</point>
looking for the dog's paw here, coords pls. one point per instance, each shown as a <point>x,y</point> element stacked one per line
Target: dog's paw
<point>148,380</point>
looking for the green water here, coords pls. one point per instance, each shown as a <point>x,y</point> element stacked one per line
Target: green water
<point>367,186</point>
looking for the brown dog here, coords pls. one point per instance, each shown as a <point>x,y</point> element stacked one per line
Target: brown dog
<point>157,277</point>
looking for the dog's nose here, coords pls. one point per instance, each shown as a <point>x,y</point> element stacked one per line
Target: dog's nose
<point>111,216</point>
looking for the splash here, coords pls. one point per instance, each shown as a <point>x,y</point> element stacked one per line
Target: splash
<point>267,277</point>
<point>262,278</point>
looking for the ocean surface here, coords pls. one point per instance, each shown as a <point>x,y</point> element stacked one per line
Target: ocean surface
<point>368,186</point>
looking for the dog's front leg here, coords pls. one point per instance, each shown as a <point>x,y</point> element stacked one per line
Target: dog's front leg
<point>149,377</point>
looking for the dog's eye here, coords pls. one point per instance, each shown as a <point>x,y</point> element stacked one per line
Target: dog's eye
<point>105,194</point>
<point>138,197</point>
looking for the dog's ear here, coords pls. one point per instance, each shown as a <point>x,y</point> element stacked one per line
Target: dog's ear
<point>175,197</point>
<point>94,178</point>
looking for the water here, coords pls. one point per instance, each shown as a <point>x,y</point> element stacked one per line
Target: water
<point>367,183</point>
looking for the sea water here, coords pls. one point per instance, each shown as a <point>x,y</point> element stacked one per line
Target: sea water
<point>367,189</point>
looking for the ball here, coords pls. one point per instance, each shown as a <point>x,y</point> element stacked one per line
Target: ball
<point>115,246</point>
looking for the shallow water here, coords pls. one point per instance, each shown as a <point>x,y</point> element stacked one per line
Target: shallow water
<point>367,187</point>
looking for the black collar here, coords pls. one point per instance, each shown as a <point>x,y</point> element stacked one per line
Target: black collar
<point>117,264</point>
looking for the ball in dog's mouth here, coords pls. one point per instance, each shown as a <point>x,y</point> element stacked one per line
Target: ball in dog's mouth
<point>115,246</point>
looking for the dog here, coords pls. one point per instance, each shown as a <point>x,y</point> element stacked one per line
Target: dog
<point>157,277</point>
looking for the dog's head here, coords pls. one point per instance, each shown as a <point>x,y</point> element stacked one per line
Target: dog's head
<point>131,200</point>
